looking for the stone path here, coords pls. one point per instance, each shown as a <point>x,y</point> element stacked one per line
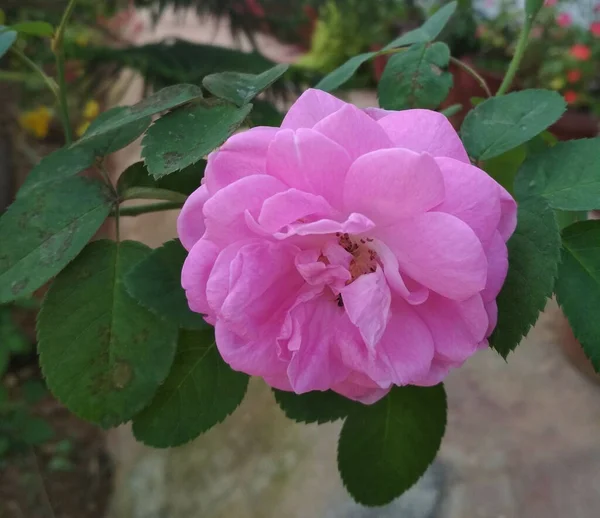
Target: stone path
<point>523,437</point>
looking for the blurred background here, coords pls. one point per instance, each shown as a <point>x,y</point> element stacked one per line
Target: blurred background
<point>523,437</point>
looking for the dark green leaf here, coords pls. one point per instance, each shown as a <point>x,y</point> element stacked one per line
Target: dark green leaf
<point>503,123</point>
<point>415,78</point>
<point>240,88</point>
<point>156,284</point>
<point>578,285</point>
<point>7,38</point>
<point>264,113</point>
<point>4,362</point>
<point>12,339</point>
<point>34,431</point>
<point>429,31</point>
<point>33,28</point>
<point>59,165</point>
<point>503,168</point>
<point>386,447</point>
<point>340,75</point>
<point>185,181</point>
<point>533,256</point>
<point>103,355</point>
<point>314,407</point>
<point>200,391</point>
<point>43,231</point>
<point>566,175</point>
<point>33,391</point>
<point>185,136</point>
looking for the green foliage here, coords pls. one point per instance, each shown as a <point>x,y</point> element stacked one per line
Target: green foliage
<point>415,78</point>
<point>155,282</point>
<point>578,284</point>
<point>503,123</point>
<point>45,230</point>
<point>240,89</point>
<point>7,38</point>
<point>185,136</point>
<point>342,74</point>
<point>533,257</point>
<point>532,7</point>
<point>33,28</point>
<point>315,407</point>
<point>566,175</point>
<point>386,447</point>
<point>103,355</point>
<point>200,391</point>
<point>136,177</point>
<point>12,339</point>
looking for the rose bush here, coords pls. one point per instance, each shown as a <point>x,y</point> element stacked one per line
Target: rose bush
<point>349,249</point>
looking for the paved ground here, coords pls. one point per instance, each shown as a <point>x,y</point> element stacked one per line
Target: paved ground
<point>523,438</point>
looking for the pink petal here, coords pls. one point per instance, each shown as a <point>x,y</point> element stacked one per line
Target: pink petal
<point>366,394</point>
<point>492,310</point>
<point>367,302</point>
<point>457,327</point>
<point>438,372</point>
<point>316,273</point>
<point>195,273</point>
<point>440,252</point>
<point>508,220</point>
<point>424,131</point>
<point>377,113</point>
<point>190,223</point>
<point>472,196</point>
<point>391,184</point>
<point>244,154</point>
<point>355,131</point>
<point>311,107</point>
<point>497,258</point>
<point>225,211</point>
<point>309,161</point>
<point>354,224</point>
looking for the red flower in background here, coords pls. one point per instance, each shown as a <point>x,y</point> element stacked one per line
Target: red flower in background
<point>573,76</point>
<point>564,19</point>
<point>580,52</point>
<point>595,29</point>
<point>570,96</point>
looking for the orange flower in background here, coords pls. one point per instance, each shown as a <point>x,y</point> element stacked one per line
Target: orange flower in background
<point>580,51</point>
<point>595,29</point>
<point>570,96</point>
<point>573,76</point>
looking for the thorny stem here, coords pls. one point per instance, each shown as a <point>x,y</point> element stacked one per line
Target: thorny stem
<point>473,74</point>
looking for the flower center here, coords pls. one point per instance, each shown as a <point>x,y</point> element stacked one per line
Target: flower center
<point>364,260</point>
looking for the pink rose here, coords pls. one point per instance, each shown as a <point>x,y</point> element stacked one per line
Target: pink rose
<point>564,20</point>
<point>348,250</point>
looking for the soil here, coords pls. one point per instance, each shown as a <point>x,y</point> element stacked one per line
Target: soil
<point>29,485</point>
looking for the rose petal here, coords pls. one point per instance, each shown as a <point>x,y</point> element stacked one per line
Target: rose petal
<point>311,107</point>
<point>508,220</point>
<point>190,223</point>
<point>497,258</point>
<point>195,272</point>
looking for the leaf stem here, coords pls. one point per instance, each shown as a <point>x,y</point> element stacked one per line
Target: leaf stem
<point>519,52</point>
<point>50,83</point>
<point>152,207</point>
<point>151,193</point>
<point>473,73</point>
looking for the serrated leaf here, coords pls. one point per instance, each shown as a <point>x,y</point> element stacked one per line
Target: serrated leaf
<point>200,391</point>
<point>156,284</point>
<point>43,231</point>
<point>578,285</point>
<point>7,38</point>
<point>415,78</point>
<point>185,136</point>
<point>102,354</point>
<point>567,175</point>
<point>343,73</point>
<point>314,407</point>
<point>56,166</point>
<point>240,88</point>
<point>33,28</point>
<point>429,31</point>
<point>386,447</point>
<point>503,123</point>
<point>185,181</point>
<point>533,257</point>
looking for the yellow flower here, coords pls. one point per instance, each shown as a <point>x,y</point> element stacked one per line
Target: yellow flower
<point>36,122</point>
<point>82,40</point>
<point>557,83</point>
<point>82,128</point>
<point>91,110</point>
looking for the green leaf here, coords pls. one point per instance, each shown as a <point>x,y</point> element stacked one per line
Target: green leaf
<point>503,123</point>
<point>578,285</point>
<point>385,448</point>
<point>33,391</point>
<point>12,339</point>
<point>264,113</point>
<point>61,164</point>
<point>103,355</point>
<point>566,175</point>
<point>532,7</point>
<point>503,168</point>
<point>43,231</point>
<point>315,407</point>
<point>342,74</point>
<point>124,124</point>
<point>4,362</point>
<point>240,88</point>
<point>185,181</point>
<point>415,79</point>
<point>156,284</point>
<point>33,28</point>
<point>7,38</point>
<point>533,256</point>
<point>429,31</point>
<point>34,431</point>
<point>200,391</point>
<point>185,136</point>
